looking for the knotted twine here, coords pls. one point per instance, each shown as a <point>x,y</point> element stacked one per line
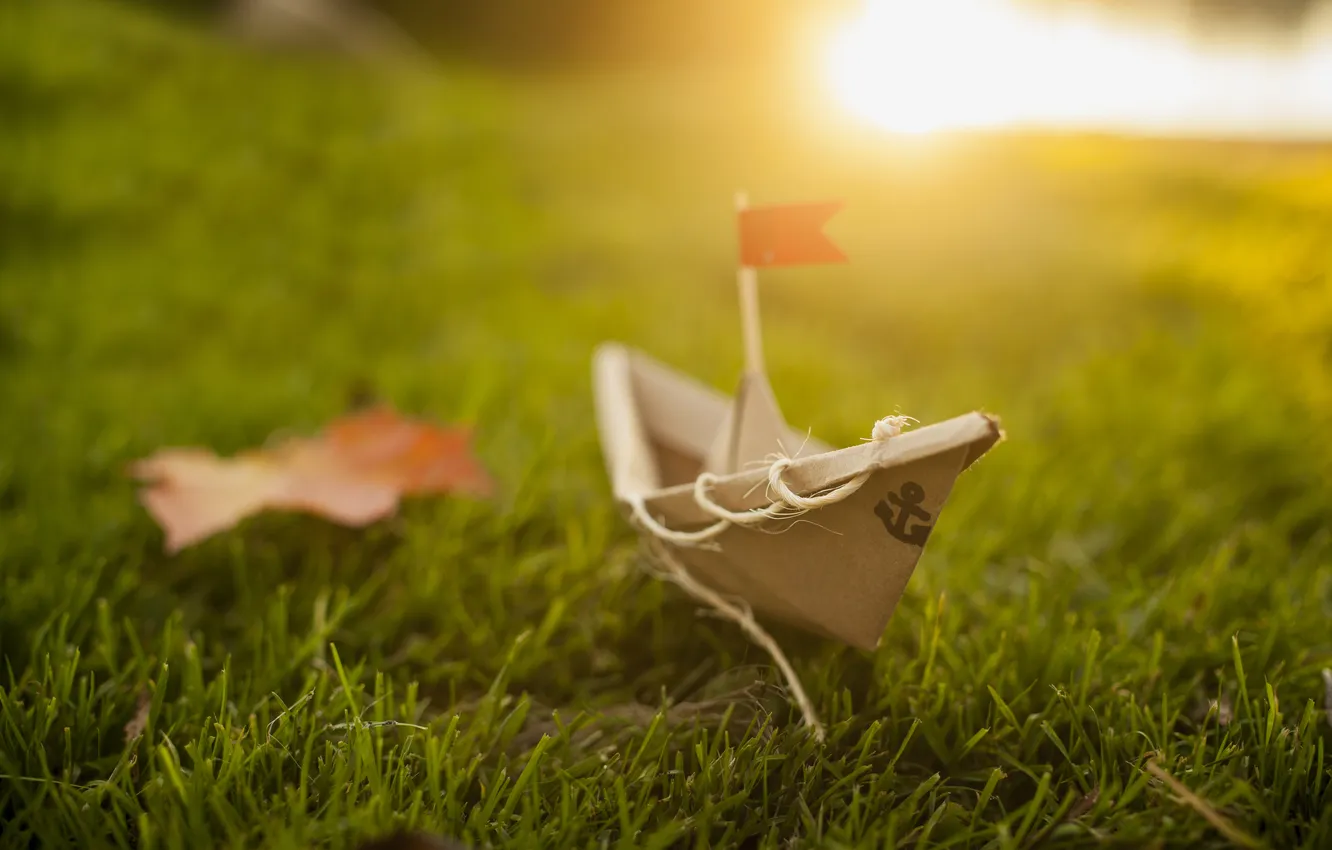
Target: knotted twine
<point>784,504</point>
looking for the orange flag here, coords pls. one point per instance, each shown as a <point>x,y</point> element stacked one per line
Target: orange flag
<point>788,235</point>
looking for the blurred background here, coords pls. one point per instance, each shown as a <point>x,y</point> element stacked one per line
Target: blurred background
<point>196,192</point>
<point>1108,222</point>
<point>1231,67</point>
<point>216,215</point>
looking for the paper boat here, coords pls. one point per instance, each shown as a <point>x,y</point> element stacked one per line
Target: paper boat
<point>838,570</point>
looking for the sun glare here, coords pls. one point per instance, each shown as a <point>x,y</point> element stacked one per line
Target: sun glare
<point>919,67</point>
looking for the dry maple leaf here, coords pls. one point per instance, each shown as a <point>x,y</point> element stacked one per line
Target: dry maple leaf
<point>353,473</point>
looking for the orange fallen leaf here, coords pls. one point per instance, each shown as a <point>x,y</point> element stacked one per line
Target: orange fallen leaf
<point>353,473</point>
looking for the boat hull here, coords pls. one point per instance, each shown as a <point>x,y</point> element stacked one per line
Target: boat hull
<point>838,570</point>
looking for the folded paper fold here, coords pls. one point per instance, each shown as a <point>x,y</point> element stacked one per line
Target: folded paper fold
<point>838,570</point>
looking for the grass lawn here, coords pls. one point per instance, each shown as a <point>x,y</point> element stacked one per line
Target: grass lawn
<point>200,245</point>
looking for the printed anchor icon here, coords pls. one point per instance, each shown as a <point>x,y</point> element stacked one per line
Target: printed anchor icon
<point>898,521</point>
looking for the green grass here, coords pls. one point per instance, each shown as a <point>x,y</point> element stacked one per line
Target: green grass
<point>202,245</point>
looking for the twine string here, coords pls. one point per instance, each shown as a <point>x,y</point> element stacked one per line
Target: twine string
<point>785,504</point>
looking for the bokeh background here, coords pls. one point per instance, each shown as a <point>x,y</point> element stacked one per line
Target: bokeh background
<point>1109,223</point>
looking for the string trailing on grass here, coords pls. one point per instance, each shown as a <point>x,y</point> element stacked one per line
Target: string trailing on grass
<point>1233,834</point>
<point>785,504</point>
<point>667,567</point>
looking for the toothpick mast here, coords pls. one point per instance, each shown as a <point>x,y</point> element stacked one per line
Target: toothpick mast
<point>754,427</point>
<point>747,278</point>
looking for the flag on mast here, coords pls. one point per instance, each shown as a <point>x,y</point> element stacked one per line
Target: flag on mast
<point>787,235</point>
<point>770,236</point>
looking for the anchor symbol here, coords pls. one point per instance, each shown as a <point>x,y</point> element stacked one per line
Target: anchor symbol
<point>898,520</point>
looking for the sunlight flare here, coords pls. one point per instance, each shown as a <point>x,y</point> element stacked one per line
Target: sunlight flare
<point>913,67</point>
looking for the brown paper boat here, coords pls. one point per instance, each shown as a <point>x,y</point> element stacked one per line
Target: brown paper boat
<point>838,570</point>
